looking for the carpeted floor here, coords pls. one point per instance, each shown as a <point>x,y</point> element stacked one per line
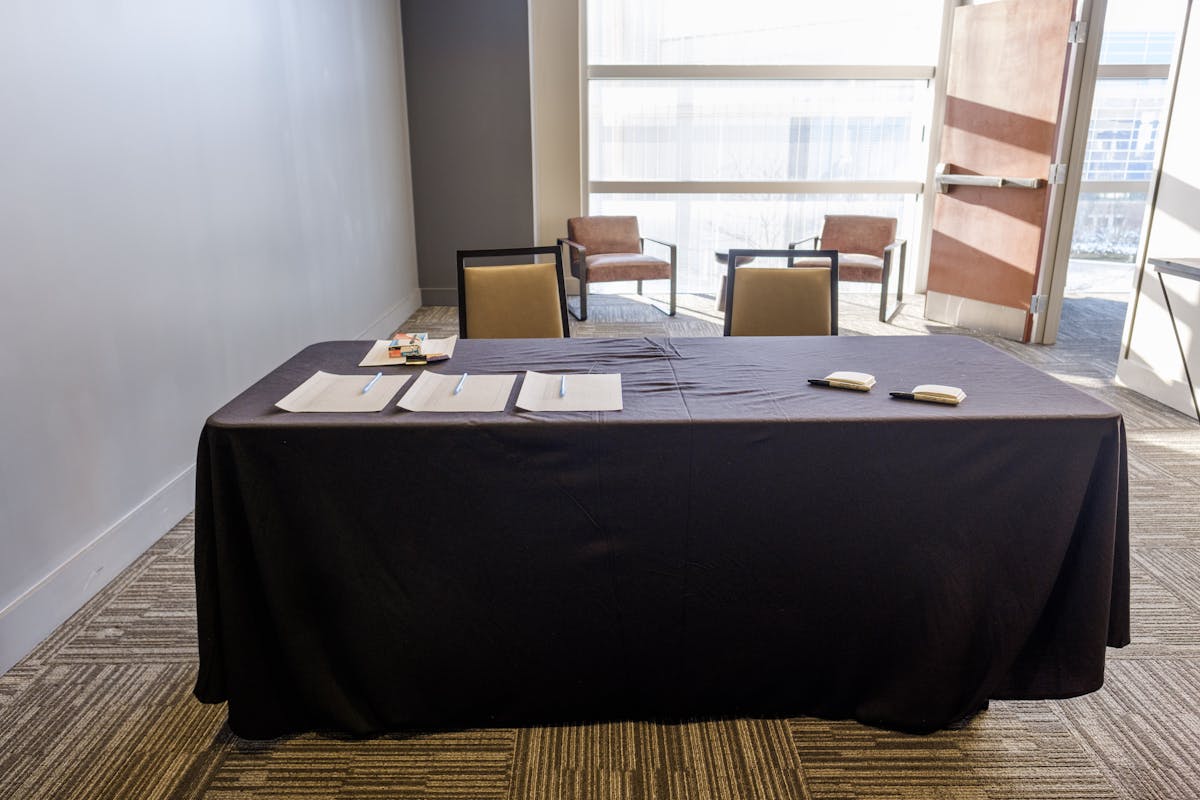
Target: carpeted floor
<point>103,708</point>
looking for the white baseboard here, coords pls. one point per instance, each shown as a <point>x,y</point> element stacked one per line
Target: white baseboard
<point>393,318</point>
<point>34,615</point>
<point>976,315</point>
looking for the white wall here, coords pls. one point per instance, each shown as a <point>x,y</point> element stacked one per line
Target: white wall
<point>1150,361</point>
<point>190,192</point>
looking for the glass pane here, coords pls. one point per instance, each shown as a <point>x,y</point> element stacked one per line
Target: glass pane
<point>757,130</point>
<point>702,224</point>
<point>763,32</point>
<point>1141,31</point>
<point>1123,134</point>
<point>1108,226</point>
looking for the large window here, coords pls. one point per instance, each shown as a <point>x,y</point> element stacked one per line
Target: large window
<point>742,124</point>
<point>1127,115</point>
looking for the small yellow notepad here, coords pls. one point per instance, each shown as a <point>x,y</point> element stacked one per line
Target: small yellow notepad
<point>858,381</point>
<point>934,393</point>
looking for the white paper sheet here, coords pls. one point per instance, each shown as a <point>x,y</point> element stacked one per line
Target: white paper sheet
<point>326,392</point>
<point>542,392</point>
<point>435,392</point>
<point>377,356</point>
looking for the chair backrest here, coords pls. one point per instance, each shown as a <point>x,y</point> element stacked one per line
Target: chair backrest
<point>848,233</point>
<point>774,301</point>
<point>512,301</point>
<point>605,234</point>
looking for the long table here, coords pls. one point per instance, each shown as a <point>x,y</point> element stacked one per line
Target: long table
<point>733,542</point>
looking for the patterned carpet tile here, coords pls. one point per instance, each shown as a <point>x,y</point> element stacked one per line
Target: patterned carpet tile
<point>92,731</point>
<point>466,764</point>
<point>1144,729</point>
<point>717,759</point>
<point>16,681</point>
<point>1177,570</point>
<point>1162,624</point>
<point>141,625</point>
<point>1012,751</point>
<point>1163,513</point>
<point>1175,452</point>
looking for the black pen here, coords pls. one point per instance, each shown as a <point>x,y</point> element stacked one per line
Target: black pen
<point>903,395</point>
<point>857,387</point>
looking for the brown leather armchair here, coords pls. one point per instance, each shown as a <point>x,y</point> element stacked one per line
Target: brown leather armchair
<point>610,249</point>
<point>865,246</point>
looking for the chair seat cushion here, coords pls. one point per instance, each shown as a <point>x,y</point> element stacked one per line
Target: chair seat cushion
<point>626,267</point>
<point>853,267</point>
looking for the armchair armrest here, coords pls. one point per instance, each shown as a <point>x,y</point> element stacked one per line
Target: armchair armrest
<point>816,240</point>
<point>656,241</point>
<point>669,245</point>
<point>574,245</point>
<point>899,244</point>
<point>902,246</point>
<point>577,265</point>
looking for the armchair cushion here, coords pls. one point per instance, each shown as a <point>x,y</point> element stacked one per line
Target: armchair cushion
<point>853,267</point>
<point>857,234</point>
<point>605,234</point>
<point>626,267</point>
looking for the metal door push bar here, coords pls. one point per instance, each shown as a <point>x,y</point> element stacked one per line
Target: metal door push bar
<point>944,180</point>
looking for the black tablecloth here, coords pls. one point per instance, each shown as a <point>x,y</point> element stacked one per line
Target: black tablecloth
<point>734,542</point>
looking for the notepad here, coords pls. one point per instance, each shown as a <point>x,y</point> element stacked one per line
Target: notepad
<point>378,356</point>
<point>858,381</point>
<point>434,392</point>
<point>326,392</point>
<point>934,393</point>
<point>542,392</point>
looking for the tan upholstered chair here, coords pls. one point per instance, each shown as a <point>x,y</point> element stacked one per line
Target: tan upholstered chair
<point>865,248</point>
<point>772,301</point>
<point>610,249</point>
<point>521,301</point>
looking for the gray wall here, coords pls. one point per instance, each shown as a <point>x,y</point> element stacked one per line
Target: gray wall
<point>190,192</point>
<point>469,117</point>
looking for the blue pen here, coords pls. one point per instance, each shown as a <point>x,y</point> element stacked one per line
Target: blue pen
<point>562,387</point>
<point>461,381</point>
<point>371,383</point>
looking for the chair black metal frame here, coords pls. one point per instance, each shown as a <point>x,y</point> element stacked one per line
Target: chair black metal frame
<point>581,255</point>
<point>737,255</point>
<point>900,245</point>
<point>506,252</point>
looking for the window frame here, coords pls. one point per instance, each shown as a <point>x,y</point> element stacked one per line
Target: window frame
<point>733,72</point>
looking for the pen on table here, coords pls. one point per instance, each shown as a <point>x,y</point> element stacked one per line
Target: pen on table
<point>562,387</point>
<point>371,383</point>
<point>461,381</point>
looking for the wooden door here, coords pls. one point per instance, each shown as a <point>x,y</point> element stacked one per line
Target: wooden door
<point>1005,90</point>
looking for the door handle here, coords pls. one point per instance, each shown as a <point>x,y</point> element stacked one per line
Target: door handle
<point>944,180</point>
